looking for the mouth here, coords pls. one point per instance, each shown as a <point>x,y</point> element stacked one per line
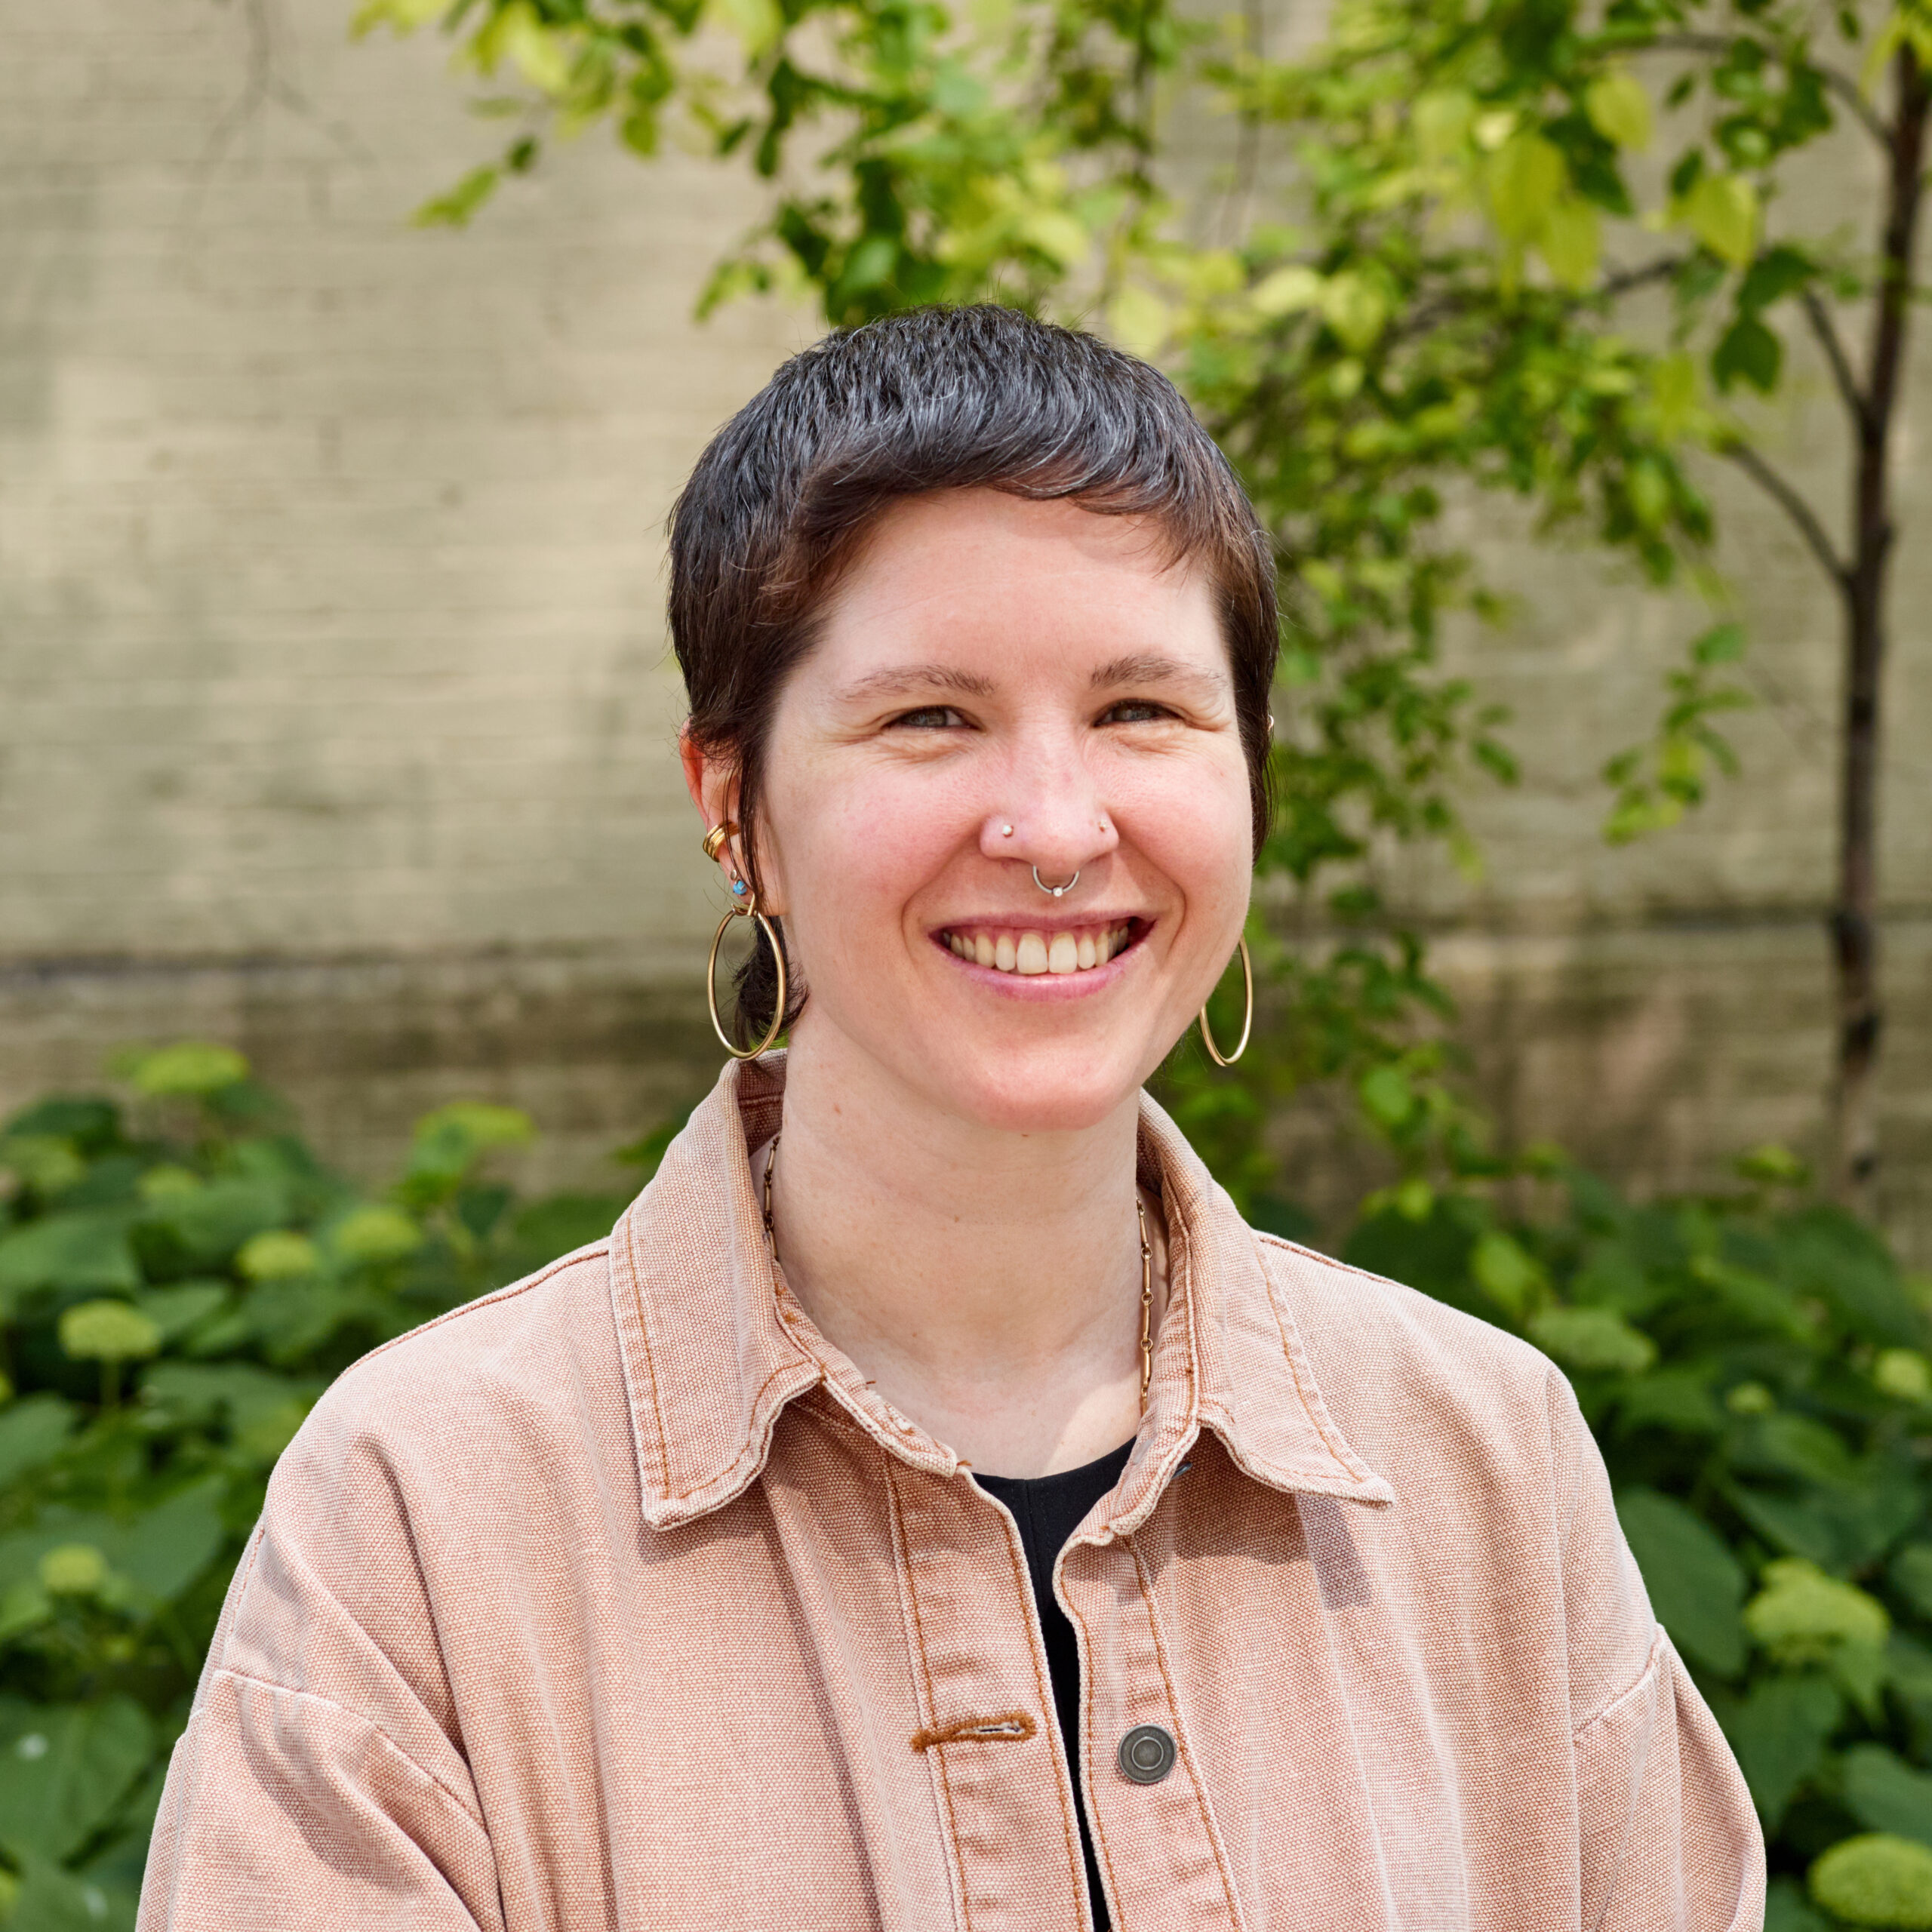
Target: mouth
<point>1029,951</point>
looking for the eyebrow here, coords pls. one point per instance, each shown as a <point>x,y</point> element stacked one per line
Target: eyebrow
<point>904,678</point>
<point>1145,668</point>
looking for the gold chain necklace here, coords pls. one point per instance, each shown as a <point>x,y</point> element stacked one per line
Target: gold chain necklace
<point>1146,1270</point>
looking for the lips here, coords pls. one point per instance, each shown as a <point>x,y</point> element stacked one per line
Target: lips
<point>1028,952</point>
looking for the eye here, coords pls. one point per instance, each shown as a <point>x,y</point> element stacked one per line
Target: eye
<point>928,717</point>
<point>1135,711</point>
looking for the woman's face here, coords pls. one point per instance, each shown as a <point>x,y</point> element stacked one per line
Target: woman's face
<point>999,685</point>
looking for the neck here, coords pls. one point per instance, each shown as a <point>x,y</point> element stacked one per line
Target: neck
<point>988,1282</point>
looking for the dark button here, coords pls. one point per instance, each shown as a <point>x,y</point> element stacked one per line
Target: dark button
<point>1146,1753</point>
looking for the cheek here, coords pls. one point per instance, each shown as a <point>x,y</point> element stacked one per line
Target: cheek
<point>1196,822</point>
<point>849,849</point>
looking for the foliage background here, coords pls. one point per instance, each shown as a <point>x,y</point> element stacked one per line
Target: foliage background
<point>179,1278</point>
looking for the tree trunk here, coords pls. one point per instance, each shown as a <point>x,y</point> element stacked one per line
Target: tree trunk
<point>1854,913</point>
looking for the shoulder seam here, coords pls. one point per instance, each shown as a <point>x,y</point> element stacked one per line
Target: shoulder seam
<point>509,1292</point>
<point>367,1724</point>
<point>1327,1260</point>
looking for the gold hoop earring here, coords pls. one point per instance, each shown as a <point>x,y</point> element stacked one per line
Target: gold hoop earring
<point>748,910</point>
<point>1247,1018</point>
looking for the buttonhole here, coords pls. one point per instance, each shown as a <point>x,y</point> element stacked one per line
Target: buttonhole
<point>1010,1728</point>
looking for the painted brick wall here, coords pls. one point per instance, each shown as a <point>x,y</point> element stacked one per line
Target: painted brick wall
<point>334,711</point>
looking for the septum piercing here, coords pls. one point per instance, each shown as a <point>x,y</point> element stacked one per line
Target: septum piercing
<point>1057,891</point>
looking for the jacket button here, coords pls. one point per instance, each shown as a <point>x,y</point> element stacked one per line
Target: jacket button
<point>1146,1753</point>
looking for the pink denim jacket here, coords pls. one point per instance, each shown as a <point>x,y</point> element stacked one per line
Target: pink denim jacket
<point>619,1599</point>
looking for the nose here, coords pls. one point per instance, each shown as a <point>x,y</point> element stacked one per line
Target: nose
<point>1049,814</point>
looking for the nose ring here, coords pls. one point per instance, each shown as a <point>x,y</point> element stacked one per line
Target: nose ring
<point>1058,891</point>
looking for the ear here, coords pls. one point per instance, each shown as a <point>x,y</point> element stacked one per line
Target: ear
<point>712,784</point>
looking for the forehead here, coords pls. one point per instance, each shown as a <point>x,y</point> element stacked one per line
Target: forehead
<point>984,574</point>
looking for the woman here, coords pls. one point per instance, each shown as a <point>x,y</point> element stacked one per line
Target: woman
<point>933,1507</point>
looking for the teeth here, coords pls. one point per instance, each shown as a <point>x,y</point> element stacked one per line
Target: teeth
<point>1032,953</point>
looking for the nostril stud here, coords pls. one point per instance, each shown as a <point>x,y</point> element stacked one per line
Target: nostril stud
<point>1006,831</point>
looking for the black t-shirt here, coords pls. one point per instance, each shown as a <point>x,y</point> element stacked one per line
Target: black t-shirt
<point>1048,1510</point>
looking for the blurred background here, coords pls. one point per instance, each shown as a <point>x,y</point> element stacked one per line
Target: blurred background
<point>335,715</point>
<point>352,922</point>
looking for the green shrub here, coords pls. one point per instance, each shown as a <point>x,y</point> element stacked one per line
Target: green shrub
<point>179,1280</point>
<point>1754,1367</point>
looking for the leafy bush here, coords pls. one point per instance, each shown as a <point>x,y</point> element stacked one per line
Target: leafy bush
<point>1754,1368</point>
<point>180,1279</point>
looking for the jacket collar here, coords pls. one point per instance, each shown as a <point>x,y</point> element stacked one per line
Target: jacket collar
<point>714,1347</point>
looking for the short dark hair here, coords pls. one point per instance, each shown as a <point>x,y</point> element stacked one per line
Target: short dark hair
<point>939,398</point>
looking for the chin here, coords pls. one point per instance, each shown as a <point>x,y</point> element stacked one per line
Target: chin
<point>1036,1093</point>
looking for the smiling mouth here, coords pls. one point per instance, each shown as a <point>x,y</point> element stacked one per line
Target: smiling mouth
<point>1028,951</point>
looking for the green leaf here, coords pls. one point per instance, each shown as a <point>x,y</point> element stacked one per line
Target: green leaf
<point>1748,352</point>
<point>1908,1669</point>
<point>263,1409</point>
<point>1776,273</point>
<point>1796,1445</point>
<point>1678,1399</point>
<point>1141,322</point>
<point>54,1899</point>
<point>1779,1733</point>
<point>455,209</point>
<point>1386,1096</point>
<point>1592,1340</point>
<point>1721,210</point>
<point>1441,120</point>
<point>1571,242</point>
<point>169,1545</point>
<point>68,1252</point>
<point>63,1769</point>
<point>1912,1576</point>
<point>1787,1909</point>
<point>32,1432</point>
<point>1285,291</point>
<point>1722,643</point>
<point>1884,1793</point>
<point>176,1310</point>
<point>447,1141</point>
<point>1507,1271</point>
<point>1525,177</point>
<point>1696,1586</point>
<point>1618,108</point>
<point>213,1222</point>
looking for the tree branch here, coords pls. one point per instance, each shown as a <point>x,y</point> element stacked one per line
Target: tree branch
<point>1842,84</point>
<point>1794,506</point>
<point>1823,327</point>
<point>1853,95</point>
<point>1624,280</point>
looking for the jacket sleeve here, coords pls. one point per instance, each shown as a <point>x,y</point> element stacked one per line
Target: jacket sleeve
<point>1668,1838</point>
<point>313,1789</point>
